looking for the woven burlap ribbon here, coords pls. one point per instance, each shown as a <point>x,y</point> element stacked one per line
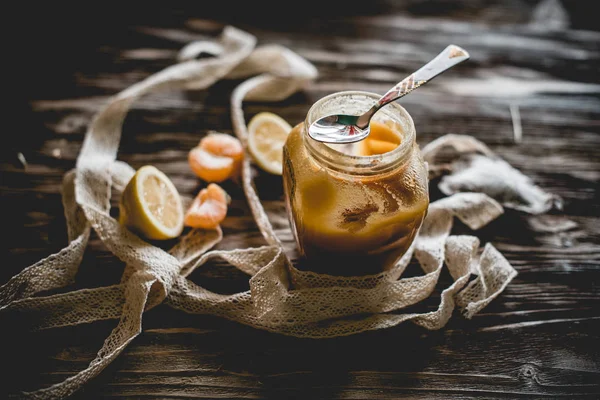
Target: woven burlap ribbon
<point>319,306</point>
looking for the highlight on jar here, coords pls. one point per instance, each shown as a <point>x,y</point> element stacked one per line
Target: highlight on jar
<point>355,208</point>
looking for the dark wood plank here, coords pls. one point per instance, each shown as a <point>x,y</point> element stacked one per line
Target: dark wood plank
<point>538,339</point>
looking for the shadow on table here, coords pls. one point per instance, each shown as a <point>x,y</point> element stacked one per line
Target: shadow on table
<point>274,366</point>
<point>207,356</point>
<point>353,367</point>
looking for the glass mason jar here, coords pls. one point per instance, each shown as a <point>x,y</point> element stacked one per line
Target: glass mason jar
<point>353,214</point>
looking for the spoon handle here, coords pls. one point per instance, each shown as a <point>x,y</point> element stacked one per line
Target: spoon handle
<point>448,58</point>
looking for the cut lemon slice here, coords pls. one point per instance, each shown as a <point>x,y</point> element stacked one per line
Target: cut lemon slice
<point>151,206</point>
<point>267,134</point>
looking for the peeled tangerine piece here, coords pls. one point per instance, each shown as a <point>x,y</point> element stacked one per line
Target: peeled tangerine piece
<point>382,139</point>
<point>385,132</point>
<point>379,146</point>
<point>208,209</point>
<point>210,167</point>
<point>216,158</point>
<point>223,145</point>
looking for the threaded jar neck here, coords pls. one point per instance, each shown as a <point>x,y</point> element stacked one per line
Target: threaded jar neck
<point>356,103</point>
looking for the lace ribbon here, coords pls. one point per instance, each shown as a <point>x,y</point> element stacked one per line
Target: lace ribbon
<point>319,306</point>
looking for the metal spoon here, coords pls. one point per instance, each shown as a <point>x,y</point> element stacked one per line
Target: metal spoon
<point>353,128</point>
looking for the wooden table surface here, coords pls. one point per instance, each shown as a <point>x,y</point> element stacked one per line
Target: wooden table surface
<point>539,338</point>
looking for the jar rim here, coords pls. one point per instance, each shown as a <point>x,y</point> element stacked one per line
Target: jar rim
<point>360,165</point>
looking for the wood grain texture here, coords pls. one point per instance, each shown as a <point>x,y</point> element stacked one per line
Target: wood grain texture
<point>538,339</point>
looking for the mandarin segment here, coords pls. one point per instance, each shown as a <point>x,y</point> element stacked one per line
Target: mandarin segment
<point>223,145</point>
<point>210,167</point>
<point>382,139</point>
<point>383,132</point>
<point>318,195</point>
<point>216,158</point>
<point>380,146</point>
<point>208,209</point>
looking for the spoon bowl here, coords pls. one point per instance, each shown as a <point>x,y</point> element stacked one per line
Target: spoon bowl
<point>341,128</point>
<point>338,129</point>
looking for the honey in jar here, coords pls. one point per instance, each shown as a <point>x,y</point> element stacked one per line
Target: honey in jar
<point>355,208</point>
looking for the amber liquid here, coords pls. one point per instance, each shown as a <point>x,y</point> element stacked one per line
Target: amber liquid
<point>352,225</point>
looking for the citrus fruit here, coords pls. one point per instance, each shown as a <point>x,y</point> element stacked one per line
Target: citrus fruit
<point>379,146</point>
<point>151,206</point>
<point>216,158</point>
<point>382,139</point>
<point>208,209</point>
<point>223,145</point>
<point>210,167</point>
<point>267,133</point>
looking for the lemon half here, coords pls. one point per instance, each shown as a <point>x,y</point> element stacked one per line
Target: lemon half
<point>151,205</point>
<point>267,133</point>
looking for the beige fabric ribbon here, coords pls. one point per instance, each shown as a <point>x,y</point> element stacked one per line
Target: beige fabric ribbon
<point>318,306</point>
